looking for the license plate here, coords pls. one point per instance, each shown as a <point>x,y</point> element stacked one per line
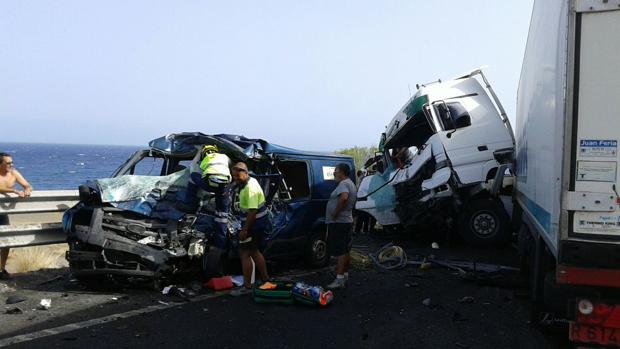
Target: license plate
<point>594,334</point>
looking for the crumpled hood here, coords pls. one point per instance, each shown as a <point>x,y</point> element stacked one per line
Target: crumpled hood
<point>184,144</point>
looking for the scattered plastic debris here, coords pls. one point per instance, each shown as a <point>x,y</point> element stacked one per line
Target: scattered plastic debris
<point>435,246</point>
<point>45,304</point>
<point>181,292</point>
<point>237,280</point>
<point>427,302</point>
<point>15,299</point>
<point>166,289</point>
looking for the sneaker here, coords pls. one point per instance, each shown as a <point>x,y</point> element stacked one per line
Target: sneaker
<point>4,275</point>
<point>337,283</point>
<point>240,291</point>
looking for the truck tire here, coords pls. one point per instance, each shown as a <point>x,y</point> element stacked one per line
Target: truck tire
<point>485,223</point>
<point>316,255</point>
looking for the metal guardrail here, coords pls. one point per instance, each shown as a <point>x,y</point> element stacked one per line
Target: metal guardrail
<point>35,220</point>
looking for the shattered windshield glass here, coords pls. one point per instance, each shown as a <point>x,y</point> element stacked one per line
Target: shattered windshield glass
<point>141,194</point>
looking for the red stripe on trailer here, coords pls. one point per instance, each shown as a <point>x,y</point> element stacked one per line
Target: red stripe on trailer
<point>588,276</point>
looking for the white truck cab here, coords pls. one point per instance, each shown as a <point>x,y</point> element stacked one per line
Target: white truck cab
<point>438,159</point>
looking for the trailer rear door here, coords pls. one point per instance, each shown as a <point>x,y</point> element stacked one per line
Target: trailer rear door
<point>592,198</point>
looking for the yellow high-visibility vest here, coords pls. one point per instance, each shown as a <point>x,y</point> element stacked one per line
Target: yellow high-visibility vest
<point>216,164</point>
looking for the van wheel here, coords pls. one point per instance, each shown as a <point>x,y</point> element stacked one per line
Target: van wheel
<point>484,222</point>
<point>316,250</point>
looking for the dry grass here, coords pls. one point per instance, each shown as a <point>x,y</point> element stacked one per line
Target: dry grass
<point>26,259</point>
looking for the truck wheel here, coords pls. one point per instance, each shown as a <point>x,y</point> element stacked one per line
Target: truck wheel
<point>484,222</point>
<point>316,250</point>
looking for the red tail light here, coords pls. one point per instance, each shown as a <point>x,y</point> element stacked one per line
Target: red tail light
<point>603,315</point>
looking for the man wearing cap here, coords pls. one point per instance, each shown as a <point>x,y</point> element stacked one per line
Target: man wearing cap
<point>213,175</point>
<point>254,223</point>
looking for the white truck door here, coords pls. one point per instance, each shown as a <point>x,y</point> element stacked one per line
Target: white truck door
<point>471,148</point>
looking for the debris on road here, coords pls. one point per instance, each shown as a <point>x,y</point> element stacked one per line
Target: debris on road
<point>49,281</point>
<point>15,310</point>
<point>45,304</point>
<point>312,295</point>
<point>220,283</point>
<point>237,280</point>
<point>360,260</point>
<point>13,299</point>
<point>435,246</point>
<point>427,302</point>
<point>5,288</point>
<point>466,299</point>
<point>389,257</point>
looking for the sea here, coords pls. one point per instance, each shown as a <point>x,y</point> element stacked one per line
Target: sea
<point>65,166</point>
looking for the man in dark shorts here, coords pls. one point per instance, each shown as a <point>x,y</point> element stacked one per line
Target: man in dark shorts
<point>339,219</point>
<point>9,176</point>
<point>255,220</point>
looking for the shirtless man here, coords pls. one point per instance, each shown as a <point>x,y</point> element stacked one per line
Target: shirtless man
<point>8,177</point>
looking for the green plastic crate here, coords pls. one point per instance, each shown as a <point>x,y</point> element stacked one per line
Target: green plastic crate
<point>282,294</point>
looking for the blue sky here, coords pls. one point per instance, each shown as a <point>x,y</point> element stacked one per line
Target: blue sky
<point>316,75</point>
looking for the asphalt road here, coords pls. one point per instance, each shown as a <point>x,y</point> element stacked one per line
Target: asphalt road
<point>378,309</point>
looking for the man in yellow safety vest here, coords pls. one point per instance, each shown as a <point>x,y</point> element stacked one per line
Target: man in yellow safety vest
<point>213,175</point>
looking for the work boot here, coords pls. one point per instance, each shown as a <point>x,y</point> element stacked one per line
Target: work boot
<point>337,283</point>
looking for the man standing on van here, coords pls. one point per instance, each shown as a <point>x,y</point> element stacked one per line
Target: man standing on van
<point>339,219</point>
<point>212,175</point>
<point>8,177</point>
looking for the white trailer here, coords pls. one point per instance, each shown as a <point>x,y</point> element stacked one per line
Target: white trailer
<point>568,128</point>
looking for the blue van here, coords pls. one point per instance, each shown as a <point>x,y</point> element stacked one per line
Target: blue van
<point>129,225</point>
